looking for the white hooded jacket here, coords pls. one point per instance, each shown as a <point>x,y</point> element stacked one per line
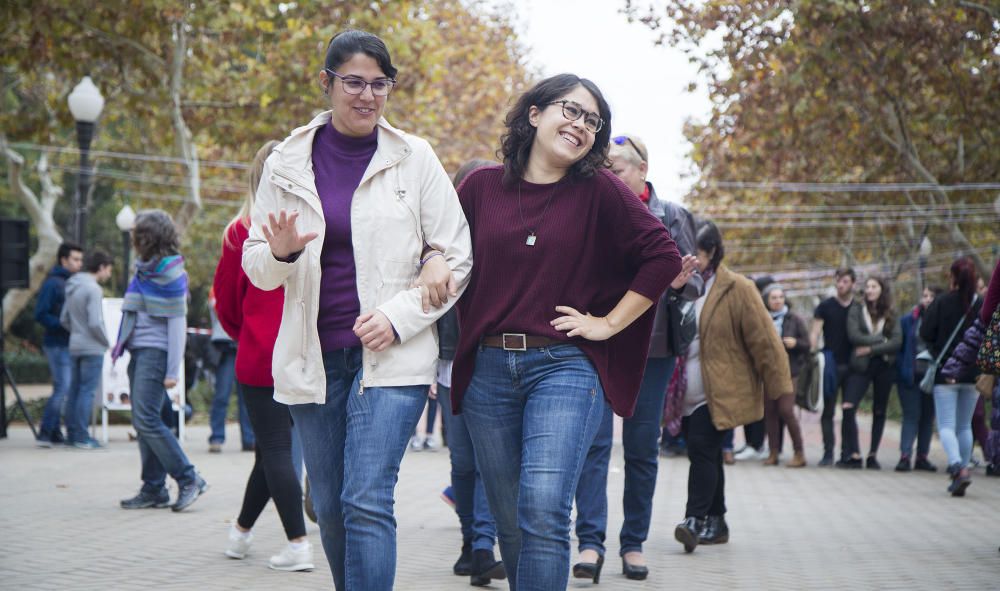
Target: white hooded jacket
<point>405,199</point>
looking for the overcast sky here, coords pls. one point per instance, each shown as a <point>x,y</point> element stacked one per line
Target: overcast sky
<point>645,84</point>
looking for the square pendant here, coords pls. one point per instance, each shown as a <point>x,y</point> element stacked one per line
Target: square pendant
<point>531,240</point>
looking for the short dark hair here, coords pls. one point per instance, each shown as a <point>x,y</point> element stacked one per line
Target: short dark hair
<point>346,44</point>
<point>516,142</point>
<point>709,239</point>
<point>96,259</point>
<point>155,235</point>
<point>846,272</point>
<point>67,247</point>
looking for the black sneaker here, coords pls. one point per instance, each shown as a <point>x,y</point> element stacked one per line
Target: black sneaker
<point>903,465</point>
<point>924,465</point>
<point>827,459</point>
<point>147,500</point>
<point>872,464</point>
<point>189,493</point>
<point>850,464</point>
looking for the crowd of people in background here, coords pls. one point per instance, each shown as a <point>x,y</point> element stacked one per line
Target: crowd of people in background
<point>533,299</point>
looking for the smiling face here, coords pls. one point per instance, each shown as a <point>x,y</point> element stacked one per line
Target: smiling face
<point>559,143</point>
<point>776,300</point>
<point>355,115</point>
<point>873,290</point>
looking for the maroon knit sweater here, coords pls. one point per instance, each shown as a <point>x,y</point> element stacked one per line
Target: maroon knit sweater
<point>596,241</point>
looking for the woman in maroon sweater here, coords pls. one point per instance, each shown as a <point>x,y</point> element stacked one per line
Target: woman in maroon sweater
<point>556,320</point>
<point>252,316</point>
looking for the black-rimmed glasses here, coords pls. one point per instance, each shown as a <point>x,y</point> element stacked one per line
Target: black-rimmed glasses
<point>355,85</point>
<point>620,141</point>
<point>573,111</point>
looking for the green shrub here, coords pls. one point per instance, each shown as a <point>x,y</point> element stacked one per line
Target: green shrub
<point>27,367</point>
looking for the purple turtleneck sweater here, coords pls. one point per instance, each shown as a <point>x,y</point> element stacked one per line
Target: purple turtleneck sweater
<point>339,162</point>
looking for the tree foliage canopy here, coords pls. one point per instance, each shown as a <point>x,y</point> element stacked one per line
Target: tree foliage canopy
<point>843,91</point>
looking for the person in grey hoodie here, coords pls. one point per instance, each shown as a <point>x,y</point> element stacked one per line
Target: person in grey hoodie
<point>83,316</point>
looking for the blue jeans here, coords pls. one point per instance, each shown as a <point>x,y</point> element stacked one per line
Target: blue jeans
<point>955,404</point>
<point>353,445</point>
<point>225,379</point>
<point>478,527</point>
<point>84,382</point>
<point>159,450</point>
<point>918,420</point>
<point>533,416</point>
<point>60,367</point>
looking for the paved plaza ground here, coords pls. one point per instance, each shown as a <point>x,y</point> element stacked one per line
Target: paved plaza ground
<point>61,527</point>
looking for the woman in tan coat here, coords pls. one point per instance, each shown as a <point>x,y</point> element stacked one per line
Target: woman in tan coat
<point>735,358</point>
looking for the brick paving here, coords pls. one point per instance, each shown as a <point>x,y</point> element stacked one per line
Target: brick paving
<point>61,528</point>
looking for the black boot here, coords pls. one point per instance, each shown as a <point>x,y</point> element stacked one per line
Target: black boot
<point>715,530</point>
<point>463,566</point>
<point>485,567</point>
<point>687,532</point>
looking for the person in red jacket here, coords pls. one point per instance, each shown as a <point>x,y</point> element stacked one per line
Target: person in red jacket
<point>252,316</point>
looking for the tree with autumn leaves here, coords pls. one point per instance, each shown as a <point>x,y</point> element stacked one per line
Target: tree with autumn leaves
<point>198,87</point>
<point>888,92</point>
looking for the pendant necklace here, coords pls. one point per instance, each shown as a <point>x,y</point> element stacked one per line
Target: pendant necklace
<point>532,235</point>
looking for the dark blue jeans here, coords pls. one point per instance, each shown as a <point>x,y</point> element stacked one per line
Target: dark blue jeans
<point>353,445</point>
<point>533,416</point>
<point>478,527</point>
<point>159,450</point>
<point>640,438</point>
<point>85,381</point>
<point>918,420</point>
<point>60,367</point>
<point>225,380</point>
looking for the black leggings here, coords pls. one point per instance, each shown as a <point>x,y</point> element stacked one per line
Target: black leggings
<point>881,375</point>
<point>273,474</point>
<point>706,479</point>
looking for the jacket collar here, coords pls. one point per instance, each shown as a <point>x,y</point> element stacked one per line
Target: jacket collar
<point>293,158</point>
<point>724,281</point>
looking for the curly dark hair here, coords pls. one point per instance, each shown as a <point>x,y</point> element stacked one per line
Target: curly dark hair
<point>516,142</point>
<point>155,235</point>
<point>882,307</point>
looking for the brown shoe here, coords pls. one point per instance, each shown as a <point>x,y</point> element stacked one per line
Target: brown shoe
<point>772,459</point>
<point>797,461</point>
<point>728,458</point>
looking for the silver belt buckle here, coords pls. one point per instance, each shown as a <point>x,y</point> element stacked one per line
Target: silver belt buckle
<point>511,335</point>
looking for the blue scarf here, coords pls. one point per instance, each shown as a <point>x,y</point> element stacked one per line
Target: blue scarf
<point>159,288</point>
<point>779,318</point>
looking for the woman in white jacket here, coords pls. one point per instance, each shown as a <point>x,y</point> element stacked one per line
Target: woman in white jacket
<point>356,350</point>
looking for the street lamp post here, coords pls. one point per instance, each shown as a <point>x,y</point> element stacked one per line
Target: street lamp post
<point>125,220</point>
<point>85,103</point>
<point>925,252</point>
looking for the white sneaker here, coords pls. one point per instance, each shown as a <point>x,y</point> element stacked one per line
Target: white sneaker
<point>432,443</point>
<point>291,559</point>
<point>417,443</point>
<point>747,453</point>
<point>761,454</point>
<point>239,543</point>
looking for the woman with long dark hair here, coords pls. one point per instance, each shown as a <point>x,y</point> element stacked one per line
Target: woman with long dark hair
<point>153,327</point>
<point>356,352</point>
<point>556,322</point>
<point>954,396</point>
<point>876,337</point>
<point>779,412</point>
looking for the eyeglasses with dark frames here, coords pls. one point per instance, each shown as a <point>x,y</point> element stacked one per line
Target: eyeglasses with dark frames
<point>355,85</point>
<point>620,141</point>
<point>573,111</point>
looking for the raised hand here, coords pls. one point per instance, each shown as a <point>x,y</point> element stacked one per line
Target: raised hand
<point>689,264</point>
<point>282,235</point>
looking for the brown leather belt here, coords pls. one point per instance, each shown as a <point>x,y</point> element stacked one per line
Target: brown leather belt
<point>518,342</point>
